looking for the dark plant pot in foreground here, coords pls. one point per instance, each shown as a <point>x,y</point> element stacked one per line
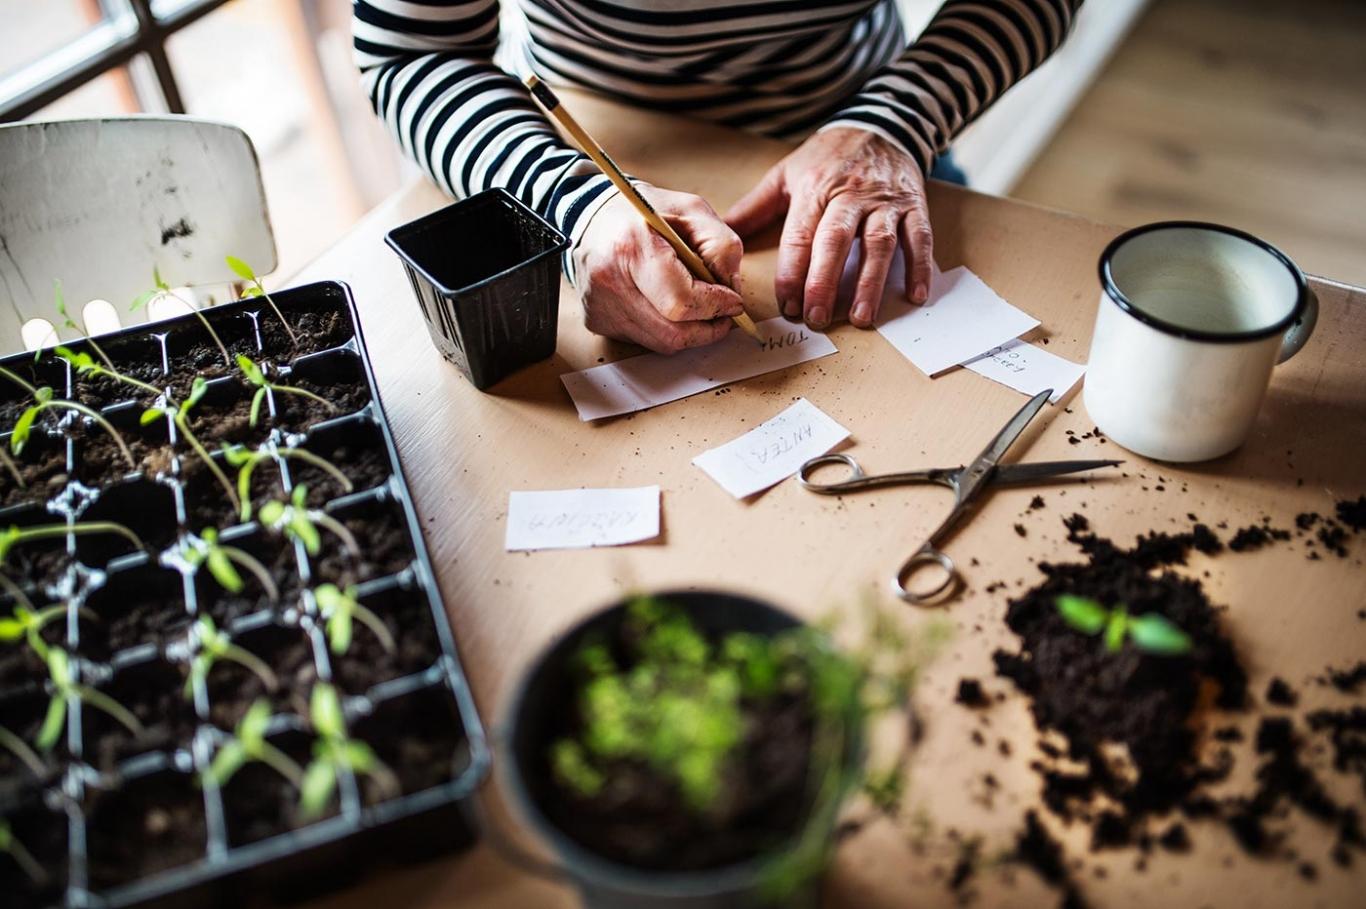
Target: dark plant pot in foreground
<point>547,692</point>
<point>486,273</point>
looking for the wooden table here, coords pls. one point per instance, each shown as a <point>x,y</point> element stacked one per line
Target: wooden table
<point>463,451</point>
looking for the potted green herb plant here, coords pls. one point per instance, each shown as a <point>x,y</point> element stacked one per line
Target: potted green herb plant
<point>695,750</point>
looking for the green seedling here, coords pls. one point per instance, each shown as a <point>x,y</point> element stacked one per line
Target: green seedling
<point>10,845</point>
<point>249,744</point>
<point>1150,632</point>
<point>65,688</point>
<point>255,288</point>
<point>334,753</point>
<point>681,703</point>
<point>16,536</point>
<point>27,624</point>
<point>19,748</point>
<point>214,645</point>
<point>299,522</point>
<point>12,469</point>
<point>246,463</point>
<point>44,398</point>
<point>86,366</point>
<point>161,289</point>
<point>341,609</point>
<point>180,416</point>
<point>256,376</point>
<point>222,562</point>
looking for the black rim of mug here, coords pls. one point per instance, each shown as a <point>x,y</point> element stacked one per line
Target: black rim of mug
<point>1107,283</point>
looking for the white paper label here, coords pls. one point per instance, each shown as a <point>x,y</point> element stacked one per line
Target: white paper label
<point>580,518</point>
<point>1028,369</point>
<point>640,382</point>
<point>772,451</point>
<point>962,319</point>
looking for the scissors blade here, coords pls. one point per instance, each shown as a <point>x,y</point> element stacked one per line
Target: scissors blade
<point>1042,470</point>
<point>978,472</point>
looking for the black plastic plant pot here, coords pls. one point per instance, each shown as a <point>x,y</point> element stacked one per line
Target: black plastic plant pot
<point>121,812</point>
<point>487,276</point>
<point>546,694</point>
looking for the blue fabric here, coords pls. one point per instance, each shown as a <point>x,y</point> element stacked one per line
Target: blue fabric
<point>946,169</point>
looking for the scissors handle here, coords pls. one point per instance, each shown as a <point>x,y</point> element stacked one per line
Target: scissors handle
<point>923,560</point>
<point>856,480</point>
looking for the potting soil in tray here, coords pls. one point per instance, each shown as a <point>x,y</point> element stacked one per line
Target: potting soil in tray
<point>122,816</point>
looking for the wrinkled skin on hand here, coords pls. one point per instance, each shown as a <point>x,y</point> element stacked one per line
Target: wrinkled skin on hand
<point>635,288</point>
<point>839,185</point>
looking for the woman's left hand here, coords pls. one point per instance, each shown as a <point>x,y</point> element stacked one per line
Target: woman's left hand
<point>840,185</point>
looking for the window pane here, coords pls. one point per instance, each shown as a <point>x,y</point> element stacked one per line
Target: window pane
<point>110,93</point>
<point>35,28</point>
<point>264,66</point>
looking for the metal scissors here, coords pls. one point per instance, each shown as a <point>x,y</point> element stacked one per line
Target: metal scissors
<point>967,484</point>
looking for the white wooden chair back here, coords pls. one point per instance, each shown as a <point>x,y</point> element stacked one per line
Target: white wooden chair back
<point>97,204</point>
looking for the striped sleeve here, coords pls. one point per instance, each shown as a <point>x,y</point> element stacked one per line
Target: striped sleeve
<point>968,56</point>
<point>428,69</point>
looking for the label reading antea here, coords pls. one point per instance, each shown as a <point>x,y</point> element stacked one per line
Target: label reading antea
<point>772,451</point>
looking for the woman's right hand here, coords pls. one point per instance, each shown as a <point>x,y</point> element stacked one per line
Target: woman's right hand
<point>635,288</point>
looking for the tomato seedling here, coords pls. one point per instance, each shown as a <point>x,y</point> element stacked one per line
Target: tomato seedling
<point>248,744</point>
<point>255,288</point>
<point>1150,632</point>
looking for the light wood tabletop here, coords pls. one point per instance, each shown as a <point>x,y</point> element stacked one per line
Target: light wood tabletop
<point>463,451</point>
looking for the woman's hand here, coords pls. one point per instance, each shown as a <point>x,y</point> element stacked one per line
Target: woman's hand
<point>635,288</point>
<point>840,185</point>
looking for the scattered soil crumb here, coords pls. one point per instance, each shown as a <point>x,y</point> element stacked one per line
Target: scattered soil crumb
<point>970,694</point>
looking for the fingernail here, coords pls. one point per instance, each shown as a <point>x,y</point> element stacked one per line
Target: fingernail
<point>790,308</point>
<point>922,293</point>
<point>863,313</point>
<point>818,317</point>
<point>735,282</point>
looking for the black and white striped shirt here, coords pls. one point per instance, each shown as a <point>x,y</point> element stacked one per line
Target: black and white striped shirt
<point>778,67</point>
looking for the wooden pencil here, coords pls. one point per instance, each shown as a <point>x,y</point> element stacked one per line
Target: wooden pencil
<point>547,99</point>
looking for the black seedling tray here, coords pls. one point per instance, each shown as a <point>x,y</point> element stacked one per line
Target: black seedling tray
<point>118,820</point>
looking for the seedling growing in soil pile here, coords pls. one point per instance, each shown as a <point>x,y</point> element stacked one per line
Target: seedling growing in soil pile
<point>180,415</point>
<point>249,744</point>
<point>18,535</point>
<point>10,845</point>
<point>17,747</point>
<point>214,645</point>
<point>299,522</point>
<point>44,398</point>
<point>65,687</point>
<point>246,462</point>
<point>256,289</point>
<point>161,289</point>
<point>1150,632</point>
<point>340,609</point>
<point>222,561</point>
<point>256,376</point>
<point>334,752</point>
<point>26,624</point>
<point>85,365</point>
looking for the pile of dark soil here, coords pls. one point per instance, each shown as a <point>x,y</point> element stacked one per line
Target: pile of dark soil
<point>1133,721</point>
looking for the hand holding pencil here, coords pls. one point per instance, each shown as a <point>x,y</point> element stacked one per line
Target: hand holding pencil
<point>689,257</point>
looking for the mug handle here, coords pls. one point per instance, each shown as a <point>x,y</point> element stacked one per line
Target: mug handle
<point>1298,334</point>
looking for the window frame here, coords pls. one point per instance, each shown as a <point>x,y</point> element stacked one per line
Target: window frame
<point>113,42</point>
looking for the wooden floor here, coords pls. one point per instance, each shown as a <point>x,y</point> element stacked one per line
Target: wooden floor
<point>1246,112</point>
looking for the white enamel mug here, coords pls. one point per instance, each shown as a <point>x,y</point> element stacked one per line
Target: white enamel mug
<point>1193,318</point>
